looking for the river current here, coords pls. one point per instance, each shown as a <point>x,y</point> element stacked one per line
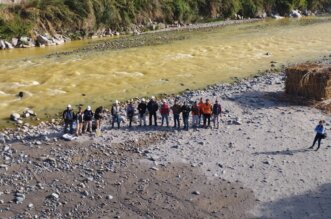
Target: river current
<point>205,57</point>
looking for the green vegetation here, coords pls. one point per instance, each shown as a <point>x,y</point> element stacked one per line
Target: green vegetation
<point>84,16</point>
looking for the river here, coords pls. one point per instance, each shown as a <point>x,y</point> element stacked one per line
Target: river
<point>206,57</point>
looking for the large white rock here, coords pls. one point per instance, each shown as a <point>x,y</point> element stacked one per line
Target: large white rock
<point>2,44</point>
<point>8,45</point>
<point>296,14</point>
<point>15,116</point>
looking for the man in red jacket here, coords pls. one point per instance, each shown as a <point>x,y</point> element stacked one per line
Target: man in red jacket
<point>165,110</point>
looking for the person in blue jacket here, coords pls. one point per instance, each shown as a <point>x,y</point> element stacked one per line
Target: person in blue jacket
<point>320,134</point>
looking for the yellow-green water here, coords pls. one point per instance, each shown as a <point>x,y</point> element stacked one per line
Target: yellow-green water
<point>205,58</point>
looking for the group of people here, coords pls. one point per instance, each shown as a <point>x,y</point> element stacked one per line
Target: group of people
<point>201,112</point>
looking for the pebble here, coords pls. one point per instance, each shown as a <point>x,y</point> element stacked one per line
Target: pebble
<point>109,197</point>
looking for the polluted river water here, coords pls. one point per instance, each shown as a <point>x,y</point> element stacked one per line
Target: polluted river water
<point>205,57</point>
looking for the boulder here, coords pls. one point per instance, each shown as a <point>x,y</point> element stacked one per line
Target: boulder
<point>14,41</point>
<point>296,14</point>
<point>15,116</point>
<point>42,40</point>
<point>8,45</point>
<point>2,44</point>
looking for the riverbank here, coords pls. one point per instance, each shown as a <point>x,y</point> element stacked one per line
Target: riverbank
<point>256,165</point>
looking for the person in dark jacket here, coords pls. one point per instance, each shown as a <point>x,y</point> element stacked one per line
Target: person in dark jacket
<point>88,117</point>
<point>130,112</point>
<point>152,107</point>
<point>186,109</point>
<point>68,117</point>
<point>142,108</point>
<point>320,134</point>
<point>115,112</point>
<point>79,121</point>
<point>217,110</point>
<point>98,116</point>
<point>176,110</point>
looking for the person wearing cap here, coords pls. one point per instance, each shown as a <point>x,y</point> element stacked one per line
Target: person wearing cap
<point>186,114</point>
<point>195,114</point>
<point>79,121</point>
<point>68,117</point>
<point>115,112</point>
<point>88,117</point>
<point>152,108</point>
<point>206,112</point>
<point>142,108</point>
<point>165,110</point>
<point>130,112</point>
<point>217,110</point>
<point>176,110</point>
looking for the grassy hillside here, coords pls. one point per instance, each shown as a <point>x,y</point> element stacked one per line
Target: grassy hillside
<point>83,16</point>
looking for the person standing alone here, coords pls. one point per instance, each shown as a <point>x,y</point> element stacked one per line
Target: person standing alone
<point>320,134</point>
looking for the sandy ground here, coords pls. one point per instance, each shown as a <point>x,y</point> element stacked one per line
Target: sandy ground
<point>256,165</point>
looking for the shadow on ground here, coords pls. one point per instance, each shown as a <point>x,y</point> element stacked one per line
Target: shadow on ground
<point>314,204</point>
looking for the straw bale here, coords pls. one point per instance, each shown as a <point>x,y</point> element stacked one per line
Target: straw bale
<point>312,81</point>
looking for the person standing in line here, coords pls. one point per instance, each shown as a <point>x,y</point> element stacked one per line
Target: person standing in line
<point>217,110</point>
<point>79,121</point>
<point>68,117</point>
<point>152,107</point>
<point>115,111</point>
<point>88,117</point>
<point>142,107</point>
<point>98,116</point>
<point>195,114</point>
<point>176,110</point>
<point>130,112</point>
<point>186,114</point>
<point>207,111</point>
<point>320,134</point>
<point>165,110</point>
<point>200,105</point>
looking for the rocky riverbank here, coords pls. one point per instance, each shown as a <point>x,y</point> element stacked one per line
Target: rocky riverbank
<point>256,165</point>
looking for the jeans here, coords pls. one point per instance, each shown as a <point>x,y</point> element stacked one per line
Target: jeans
<point>216,121</point>
<point>142,119</point>
<point>206,117</point>
<point>166,118</point>
<point>318,138</point>
<point>195,121</point>
<point>116,119</point>
<point>185,119</point>
<point>176,120</point>
<point>130,120</point>
<point>70,125</point>
<point>151,115</point>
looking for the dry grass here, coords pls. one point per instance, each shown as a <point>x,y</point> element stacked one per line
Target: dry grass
<point>311,81</point>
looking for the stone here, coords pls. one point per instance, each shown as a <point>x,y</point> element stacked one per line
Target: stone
<point>109,197</point>
<point>8,45</point>
<point>15,116</point>
<point>196,193</point>
<point>14,41</point>
<point>2,44</point>
<point>55,196</point>
<point>30,205</point>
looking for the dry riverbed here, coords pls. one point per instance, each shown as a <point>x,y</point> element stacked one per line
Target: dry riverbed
<point>256,165</point>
